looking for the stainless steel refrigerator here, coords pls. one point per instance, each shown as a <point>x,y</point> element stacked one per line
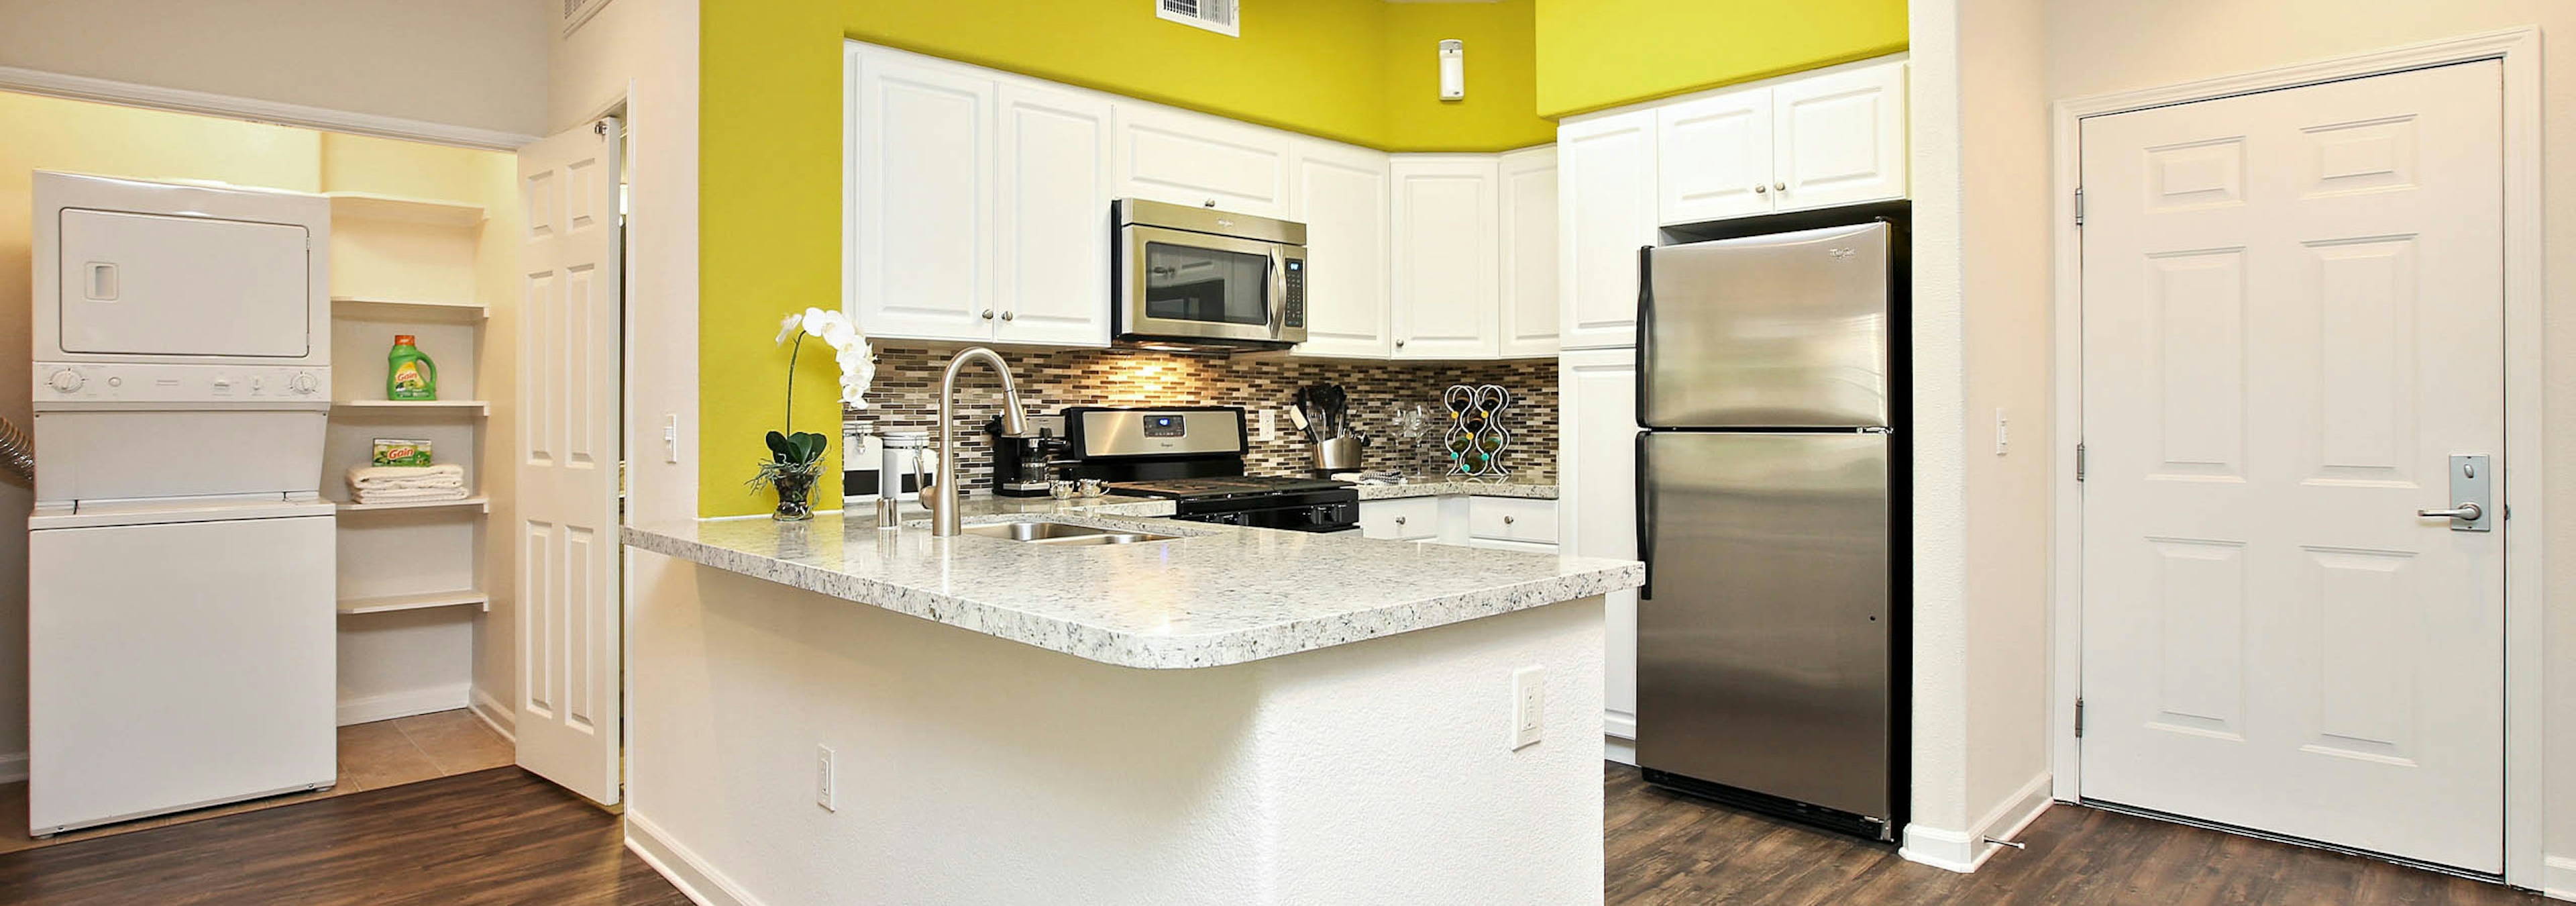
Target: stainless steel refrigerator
<point>1771,474</point>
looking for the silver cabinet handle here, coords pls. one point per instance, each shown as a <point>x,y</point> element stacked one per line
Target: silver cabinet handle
<point>1780,187</point>
<point>1209,204</point>
<point>1759,190</point>
<point>1006,316</point>
<point>988,314</point>
<point>1399,520</point>
<point>2466,512</point>
<point>1507,520</point>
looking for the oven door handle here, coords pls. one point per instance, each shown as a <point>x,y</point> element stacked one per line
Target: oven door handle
<point>1278,293</point>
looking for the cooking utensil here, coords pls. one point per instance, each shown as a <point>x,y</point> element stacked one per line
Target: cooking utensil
<point>1297,416</point>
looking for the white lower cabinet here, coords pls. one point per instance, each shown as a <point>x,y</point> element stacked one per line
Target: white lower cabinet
<point>1402,519</point>
<point>1596,463</point>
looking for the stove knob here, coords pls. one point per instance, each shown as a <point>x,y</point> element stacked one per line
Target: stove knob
<point>67,381</point>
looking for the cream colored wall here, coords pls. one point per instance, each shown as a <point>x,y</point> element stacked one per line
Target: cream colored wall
<point>473,63</point>
<point>2097,46</point>
<point>2005,248</point>
<point>44,133</point>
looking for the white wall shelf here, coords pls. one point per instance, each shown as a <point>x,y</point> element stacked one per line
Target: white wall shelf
<point>378,407</point>
<point>391,603</point>
<point>480,503</point>
<point>376,206</point>
<point>408,310</point>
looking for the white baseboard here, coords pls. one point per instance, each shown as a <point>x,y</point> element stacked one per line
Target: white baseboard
<point>405,703</point>
<point>1623,751</point>
<point>2558,877</point>
<point>675,863</point>
<point>496,715</point>
<point>1963,851</point>
<point>13,767</point>
<point>1620,730</point>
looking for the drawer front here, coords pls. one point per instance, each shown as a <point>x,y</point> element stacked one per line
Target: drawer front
<point>1407,519</point>
<point>1512,519</point>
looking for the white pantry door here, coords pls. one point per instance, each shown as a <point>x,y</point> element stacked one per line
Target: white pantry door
<point>569,399</point>
<point>2293,318</point>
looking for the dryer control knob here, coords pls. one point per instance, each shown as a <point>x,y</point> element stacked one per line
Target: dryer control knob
<point>67,381</point>
<point>303,382</point>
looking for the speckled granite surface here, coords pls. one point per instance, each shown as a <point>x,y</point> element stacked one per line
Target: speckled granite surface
<point>1523,489</point>
<point>1220,595</point>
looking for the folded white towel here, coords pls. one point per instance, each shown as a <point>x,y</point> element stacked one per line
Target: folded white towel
<point>407,495</point>
<point>443,475</point>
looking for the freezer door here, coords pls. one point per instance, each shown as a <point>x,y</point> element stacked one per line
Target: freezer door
<point>1785,330</point>
<point>1763,651</point>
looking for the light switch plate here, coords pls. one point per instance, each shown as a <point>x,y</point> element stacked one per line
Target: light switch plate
<point>823,778</point>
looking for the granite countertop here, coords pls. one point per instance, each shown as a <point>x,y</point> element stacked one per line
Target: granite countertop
<point>1509,487</point>
<point>1219,595</point>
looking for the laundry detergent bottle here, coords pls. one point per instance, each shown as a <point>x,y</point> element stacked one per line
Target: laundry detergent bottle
<point>409,375</point>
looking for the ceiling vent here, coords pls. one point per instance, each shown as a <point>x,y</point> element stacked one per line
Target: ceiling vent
<point>576,12</point>
<point>1214,15</point>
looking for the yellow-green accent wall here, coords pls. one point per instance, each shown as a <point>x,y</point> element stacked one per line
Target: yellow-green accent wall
<point>769,155</point>
<point>1594,54</point>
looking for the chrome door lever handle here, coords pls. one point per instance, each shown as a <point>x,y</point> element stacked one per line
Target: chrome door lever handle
<point>2466,512</point>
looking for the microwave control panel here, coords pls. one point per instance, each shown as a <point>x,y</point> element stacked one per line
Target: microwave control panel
<point>1296,302</point>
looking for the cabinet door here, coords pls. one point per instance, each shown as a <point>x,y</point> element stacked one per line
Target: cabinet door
<point>1529,291</point>
<point>1340,193</point>
<point>1203,161</point>
<point>1605,185</point>
<point>1401,519</point>
<point>1840,138</point>
<point>1051,270</point>
<point>1715,157</point>
<point>922,236</point>
<point>1597,498</point>
<point>1447,227</point>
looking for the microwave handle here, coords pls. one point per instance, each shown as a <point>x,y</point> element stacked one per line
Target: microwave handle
<point>1278,293</point>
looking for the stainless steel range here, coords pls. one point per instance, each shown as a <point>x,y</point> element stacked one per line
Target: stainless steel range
<point>1194,455</point>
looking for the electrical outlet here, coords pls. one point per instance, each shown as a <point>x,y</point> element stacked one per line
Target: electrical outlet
<point>1529,706</point>
<point>671,438</point>
<point>1269,424</point>
<point>823,778</point>
<point>2003,432</point>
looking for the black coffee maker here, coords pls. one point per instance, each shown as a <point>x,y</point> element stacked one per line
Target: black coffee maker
<point>1024,464</point>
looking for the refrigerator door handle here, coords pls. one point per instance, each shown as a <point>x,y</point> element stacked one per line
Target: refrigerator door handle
<point>1645,520</point>
<point>1645,322</point>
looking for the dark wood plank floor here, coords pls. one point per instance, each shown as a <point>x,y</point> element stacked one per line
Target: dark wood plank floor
<point>1667,848</point>
<point>496,836</point>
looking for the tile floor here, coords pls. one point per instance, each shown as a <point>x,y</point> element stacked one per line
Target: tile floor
<point>372,757</point>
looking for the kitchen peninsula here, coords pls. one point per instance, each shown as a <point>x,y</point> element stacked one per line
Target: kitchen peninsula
<point>1230,715</point>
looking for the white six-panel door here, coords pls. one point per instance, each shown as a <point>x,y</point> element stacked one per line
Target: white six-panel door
<point>2292,318</point>
<point>570,340</point>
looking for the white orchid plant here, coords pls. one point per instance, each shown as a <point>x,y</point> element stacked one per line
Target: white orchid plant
<point>793,451</point>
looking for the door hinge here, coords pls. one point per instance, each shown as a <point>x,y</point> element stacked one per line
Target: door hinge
<point>2079,717</point>
<point>2079,206</point>
<point>2079,460</point>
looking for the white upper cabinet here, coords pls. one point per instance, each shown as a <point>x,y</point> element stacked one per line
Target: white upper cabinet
<point>920,256</point>
<point>1606,212</point>
<point>1340,193</point>
<point>1052,252</point>
<point>1789,145</point>
<point>1528,247</point>
<point>1716,157</point>
<point>1202,161</point>
<point>1839,138</point>
<point>1447,231</point>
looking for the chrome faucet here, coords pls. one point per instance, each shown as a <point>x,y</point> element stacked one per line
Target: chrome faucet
<point>945,520</point>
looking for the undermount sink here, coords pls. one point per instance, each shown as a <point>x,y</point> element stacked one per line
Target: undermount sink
<point>1062,534</point>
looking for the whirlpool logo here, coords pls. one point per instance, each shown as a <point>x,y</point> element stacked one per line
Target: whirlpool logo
<point>1838,253</point>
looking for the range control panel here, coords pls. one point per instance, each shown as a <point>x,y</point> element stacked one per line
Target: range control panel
<point>148,383</point>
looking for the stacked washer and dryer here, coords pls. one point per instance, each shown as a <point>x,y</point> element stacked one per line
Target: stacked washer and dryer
<point>180,557</point>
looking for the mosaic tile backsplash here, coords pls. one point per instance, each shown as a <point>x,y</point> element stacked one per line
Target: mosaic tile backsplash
<point>906,396</point>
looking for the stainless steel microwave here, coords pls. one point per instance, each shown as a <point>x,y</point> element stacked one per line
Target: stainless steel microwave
<point>1190,277</point>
